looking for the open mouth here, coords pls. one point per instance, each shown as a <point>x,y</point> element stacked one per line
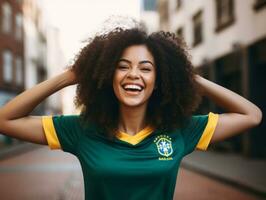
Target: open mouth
<point>132,88</point>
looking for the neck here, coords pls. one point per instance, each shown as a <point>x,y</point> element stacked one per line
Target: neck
<point>132,119</point>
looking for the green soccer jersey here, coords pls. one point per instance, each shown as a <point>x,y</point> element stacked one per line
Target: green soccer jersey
<point>143,166</point>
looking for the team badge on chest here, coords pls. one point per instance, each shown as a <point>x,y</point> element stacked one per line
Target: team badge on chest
<point>164,147</point>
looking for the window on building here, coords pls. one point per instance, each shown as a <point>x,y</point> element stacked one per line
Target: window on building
<point>197,28</point>
<point>224,14</point>
<point>178,4</point>
<point>180,32</point>
<point>19,71</point>
<point>7,66</point>
<point>149,5</point>
<point>18,34</point>
<point>7,18</point>
<point>259,4</point>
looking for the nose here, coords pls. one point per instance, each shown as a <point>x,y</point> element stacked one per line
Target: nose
<point>133,72</point>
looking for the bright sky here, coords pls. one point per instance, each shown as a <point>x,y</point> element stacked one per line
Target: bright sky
<point>77,19</point>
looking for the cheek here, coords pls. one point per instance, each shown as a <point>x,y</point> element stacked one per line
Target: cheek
<point>116,85</point>
<point>151,81</point>
<point>115,80</point>
<point>115,88</point>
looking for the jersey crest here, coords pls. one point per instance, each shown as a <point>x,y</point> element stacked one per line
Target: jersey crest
<point>164,146</point>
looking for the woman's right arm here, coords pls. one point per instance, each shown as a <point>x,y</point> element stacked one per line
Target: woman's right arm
<point>14,116</point>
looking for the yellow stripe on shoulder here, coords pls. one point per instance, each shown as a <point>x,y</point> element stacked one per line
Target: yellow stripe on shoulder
<point>208,131</point>
<point>50,133</point>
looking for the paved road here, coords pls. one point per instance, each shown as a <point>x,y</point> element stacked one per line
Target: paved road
<point>44,174</point>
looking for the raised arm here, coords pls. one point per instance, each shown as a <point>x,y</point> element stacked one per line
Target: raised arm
<point>14,116</point>
<point>242,114</point>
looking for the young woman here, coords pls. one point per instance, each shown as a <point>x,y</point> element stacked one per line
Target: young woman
<point>137,93</point>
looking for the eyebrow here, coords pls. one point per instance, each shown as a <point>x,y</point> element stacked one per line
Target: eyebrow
<point>141,62</point>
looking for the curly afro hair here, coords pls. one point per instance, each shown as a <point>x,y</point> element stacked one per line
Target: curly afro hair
<point>169,106</point>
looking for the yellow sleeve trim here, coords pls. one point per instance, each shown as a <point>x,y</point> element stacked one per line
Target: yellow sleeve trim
<point>50,133</point>
<point>208,132</point>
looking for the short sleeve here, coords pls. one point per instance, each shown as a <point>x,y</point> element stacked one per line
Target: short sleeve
<point>198,132</point>
<point>62,132</point>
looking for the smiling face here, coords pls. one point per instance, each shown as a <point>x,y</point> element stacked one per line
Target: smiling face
<point>134,77</point>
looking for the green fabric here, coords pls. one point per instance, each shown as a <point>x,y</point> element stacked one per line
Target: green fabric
<point>115,170</point>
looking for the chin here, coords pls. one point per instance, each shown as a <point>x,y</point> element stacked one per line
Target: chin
<point>133,103</point>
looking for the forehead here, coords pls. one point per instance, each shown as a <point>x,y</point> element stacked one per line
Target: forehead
<point>137,52</point>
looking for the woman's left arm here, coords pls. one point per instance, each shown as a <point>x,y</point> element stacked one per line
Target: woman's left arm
<point>242,114</point>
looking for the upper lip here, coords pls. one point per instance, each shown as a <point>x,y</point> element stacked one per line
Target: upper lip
<point>133,84</point>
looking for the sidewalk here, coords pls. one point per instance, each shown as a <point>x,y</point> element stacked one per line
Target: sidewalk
<point>42,174</point>
<point>17,149</point>
<point>248,174</point>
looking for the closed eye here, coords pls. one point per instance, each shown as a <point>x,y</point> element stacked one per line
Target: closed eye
<point>122,67</point>
<point>146,69</point>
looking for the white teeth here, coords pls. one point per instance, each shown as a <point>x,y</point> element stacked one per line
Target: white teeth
<point>137,87</point>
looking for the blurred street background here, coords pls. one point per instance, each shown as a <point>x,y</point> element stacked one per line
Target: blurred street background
<point>227,43</point>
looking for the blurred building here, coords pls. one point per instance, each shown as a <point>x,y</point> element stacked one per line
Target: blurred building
<point>35,47</point>
<point>149,15</point>
<point>55,64</point>
<point>30,52</point>
<point>43,55</point>
<point>228,46</point>
<point>12,67</point>
<point>163,10</point>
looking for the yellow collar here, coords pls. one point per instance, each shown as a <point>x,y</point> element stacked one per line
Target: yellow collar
<point>138,137</point>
